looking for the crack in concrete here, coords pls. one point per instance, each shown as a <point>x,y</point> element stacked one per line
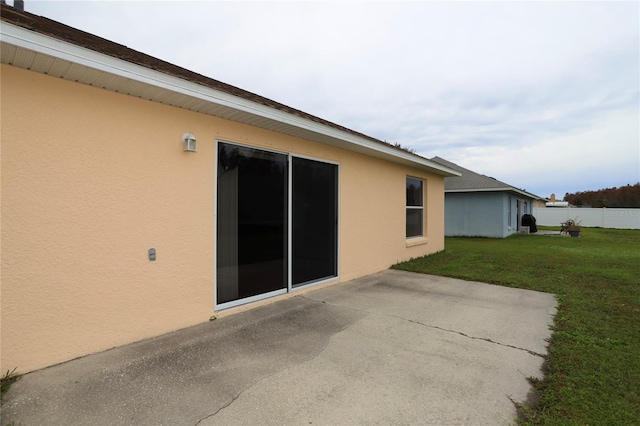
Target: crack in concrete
<point>471,337</point>
<point>223,407</point>
<point>329,339</point>
<point>269,376</point>
<point>432,326</point>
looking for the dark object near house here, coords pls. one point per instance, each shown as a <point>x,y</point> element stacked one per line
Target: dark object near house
<point>530,221</point>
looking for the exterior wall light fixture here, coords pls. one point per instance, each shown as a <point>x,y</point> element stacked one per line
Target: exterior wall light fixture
<point>189,141</point>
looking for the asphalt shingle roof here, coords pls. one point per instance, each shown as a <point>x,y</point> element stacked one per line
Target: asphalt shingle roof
<point>471,181</point>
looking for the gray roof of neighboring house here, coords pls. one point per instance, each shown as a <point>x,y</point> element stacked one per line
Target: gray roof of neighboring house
<point>471,181</point>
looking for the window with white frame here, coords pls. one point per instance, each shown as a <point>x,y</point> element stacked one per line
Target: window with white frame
<point>415,207</point>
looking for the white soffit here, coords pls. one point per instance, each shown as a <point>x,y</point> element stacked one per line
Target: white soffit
<point>40,53</point>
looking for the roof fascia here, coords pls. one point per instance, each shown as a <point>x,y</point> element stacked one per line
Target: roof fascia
<point>506,189</point>
<point>526,194</point>
<point>44,44</point>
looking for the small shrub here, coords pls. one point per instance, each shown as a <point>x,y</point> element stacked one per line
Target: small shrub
<point>7,380</point>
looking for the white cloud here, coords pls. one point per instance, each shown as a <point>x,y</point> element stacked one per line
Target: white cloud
<point>480,83</point>
<point>606,155</point>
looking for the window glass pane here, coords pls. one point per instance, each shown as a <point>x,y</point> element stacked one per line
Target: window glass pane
<point>414,192</point>
<point>414,222</point>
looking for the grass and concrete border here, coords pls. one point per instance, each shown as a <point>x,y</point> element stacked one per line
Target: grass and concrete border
<point>592,371</point>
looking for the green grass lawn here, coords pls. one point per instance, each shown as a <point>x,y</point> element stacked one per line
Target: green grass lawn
<point>592,371</point>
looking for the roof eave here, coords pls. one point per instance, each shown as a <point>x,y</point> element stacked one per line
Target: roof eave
<point>505,189</point>
<point>226,105</point>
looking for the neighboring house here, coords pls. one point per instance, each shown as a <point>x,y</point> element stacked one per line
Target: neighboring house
<point>555,203</point>
<point>139,197</point>
<point>542,202</point>
<point>480,206</point>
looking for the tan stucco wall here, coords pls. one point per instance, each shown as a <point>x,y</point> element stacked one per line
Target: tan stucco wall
<point>92,179</point>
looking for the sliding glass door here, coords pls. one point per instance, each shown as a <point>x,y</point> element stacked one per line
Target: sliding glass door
<point>314,221</point>
<point>258,234</point>
<point>252,222</point>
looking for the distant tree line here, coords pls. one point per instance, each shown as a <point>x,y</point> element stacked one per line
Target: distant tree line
<point>623,197</point>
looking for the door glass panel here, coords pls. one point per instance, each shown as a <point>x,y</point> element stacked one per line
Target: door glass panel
<point>251,253</point>
<point>314,221</point>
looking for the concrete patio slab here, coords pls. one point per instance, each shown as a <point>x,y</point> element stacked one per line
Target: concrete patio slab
<point>391,348</point>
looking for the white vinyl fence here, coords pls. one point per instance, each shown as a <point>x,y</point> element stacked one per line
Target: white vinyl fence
<point>600,218</point>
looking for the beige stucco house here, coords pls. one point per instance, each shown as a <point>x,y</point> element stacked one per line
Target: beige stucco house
<point>139,197</point>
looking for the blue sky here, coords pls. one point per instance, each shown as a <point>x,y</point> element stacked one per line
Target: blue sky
<point>542,95</point>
